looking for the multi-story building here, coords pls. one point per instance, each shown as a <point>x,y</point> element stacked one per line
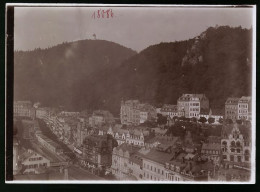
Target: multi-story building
<point>31,161</point>
<point>121,164</point>
<point>192,104</point>
<point>169,110</point>
<point>236,145</point>
<point>97,150</point>
<point>231,108</point>
<point>244,108</point>
<point>82,131</point>
<point>101,117</point>
<point>212,151</point>
<point>23,109</point>
<point>133,112</point>
<point>49,144</point>
<point>154,164</point>
<point>127,111</point>
<point>136,137</point>
<point>147,113</point>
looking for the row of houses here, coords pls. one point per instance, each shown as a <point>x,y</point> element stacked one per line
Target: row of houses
<point>217,160</point>
<point>132,112</point>
<point>238,108</point>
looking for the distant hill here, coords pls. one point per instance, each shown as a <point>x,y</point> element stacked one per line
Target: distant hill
<point>50,75</point>
<point>217,63</point>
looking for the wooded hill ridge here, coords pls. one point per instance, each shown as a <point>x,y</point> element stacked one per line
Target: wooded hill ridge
<point>98,74</point>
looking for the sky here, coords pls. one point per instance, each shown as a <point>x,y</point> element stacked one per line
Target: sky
<point>133,27</point>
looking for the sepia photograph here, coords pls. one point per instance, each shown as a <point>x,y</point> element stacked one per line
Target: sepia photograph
<point>131,94</point>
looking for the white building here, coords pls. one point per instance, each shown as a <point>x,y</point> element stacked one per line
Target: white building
<point>244,108</point>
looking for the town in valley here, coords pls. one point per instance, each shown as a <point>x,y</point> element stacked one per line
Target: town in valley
<point>184,142</point>
<point>138,94</point>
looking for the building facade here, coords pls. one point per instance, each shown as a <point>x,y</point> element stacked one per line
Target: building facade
<point>122,167</point>
<point>191,105</point>
<point>236,145</point>
<point>244,108</point>
<point>31,161</point>
<point>97,150</point>
<point>231,108</point>
<point>23,109</point>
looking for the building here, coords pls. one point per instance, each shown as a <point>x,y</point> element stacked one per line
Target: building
<point>30,161</point>
<point>122,167</point>
<point>101,117</point>
<point>136,137</point>
<point>127,114</point>
<point>23,109</point>
<point>216,114</point>
<point>169,110</point>
<point>212,151</point>
<point>133,136</point>
<point>136,165</point>
<point>118,133</point>
<point>49,144</point>
<point>190,103</point>
<point>231,108</point>
<point>244,108</point>
<point>236,145</point>
<point>97,150</point>
<point>147,113</point>
<point>81,133</point>
<point>42,112</point>
<point>154,164</point>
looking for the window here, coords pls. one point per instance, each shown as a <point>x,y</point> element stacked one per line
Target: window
<point>247,152</point>
<point>246,158</point>
<point>238,150</point>
<point>232,150</point>
<point>224,143</point>
<point>238,158</point>
<point>231,158</point>
<point>224,157</point>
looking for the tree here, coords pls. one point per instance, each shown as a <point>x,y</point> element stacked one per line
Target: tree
<point>194,119</point>
<point>229,121</point>
<point>182,118</point>
<point>161,120</point>
<point>211,120</point>
<point>220,120</point>
<point>187,119</point>
<point>202,120</point>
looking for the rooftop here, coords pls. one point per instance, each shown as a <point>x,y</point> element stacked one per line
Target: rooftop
<point>232,100</point>
<point>211,146</point>
<point>158,156</point>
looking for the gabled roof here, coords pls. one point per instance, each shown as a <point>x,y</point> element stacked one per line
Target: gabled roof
<point>232,100</point>
<point>245,99</point>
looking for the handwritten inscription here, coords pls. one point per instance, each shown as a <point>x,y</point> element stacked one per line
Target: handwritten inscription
<point>103,13</point>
